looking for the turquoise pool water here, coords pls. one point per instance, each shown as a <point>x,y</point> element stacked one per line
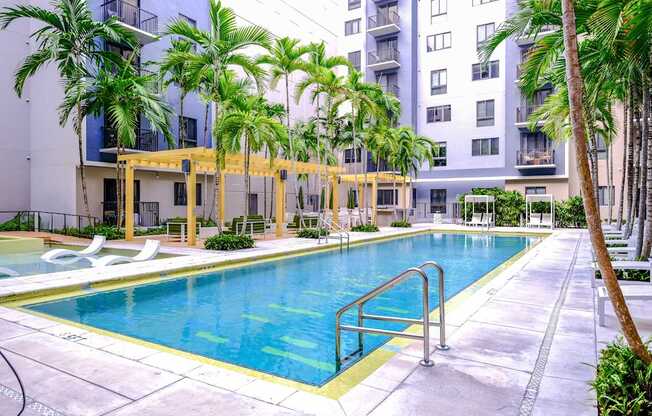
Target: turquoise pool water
<point>29,263</point>
<point>278,316</point>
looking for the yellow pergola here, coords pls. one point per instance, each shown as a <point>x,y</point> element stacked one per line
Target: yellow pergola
<point>373,179</point>
<point>202,160</point>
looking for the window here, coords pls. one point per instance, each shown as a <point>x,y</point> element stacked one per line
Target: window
<point>354,4</point>
<point>190,129</point>
<point>352,27</point>
<point>438,7</point>
<point>484,32</point>
<point>485,113</point>
<point>348,156</point>
<point>437,201</point>
<point>438,82</point>
<point>601,147</point>
<point>438,114</point>
<point>535,190</point>
<point>385,197</point>
<point>481,2</point>
<point>484,147</point>
<point>485,71</point>
<point>355,59</point>
<point>180,197</point>
<point>604,195</point>
<point>438,41</point>
<point>439,158</point>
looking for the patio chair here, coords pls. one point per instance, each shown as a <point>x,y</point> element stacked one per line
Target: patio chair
<point>535,220</point>
<point>256,224</point>
<point>476,219</point>
<point>93,248</point>
<point>178,231</point>
<point>149,251</point>
<point>8,272</point>
<point>630,292</point>
<point>546,220</point>
<point>622,265</point>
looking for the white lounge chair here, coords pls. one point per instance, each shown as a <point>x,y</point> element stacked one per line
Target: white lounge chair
<point>8,272</point>
<point>631,292</point>
<point>476,219</point>
<point>488,220</point>
<point>622,265</point>
<point>93,248</point>
<point>535,220</point>
<point>546,220</point>
<point>149,251</point>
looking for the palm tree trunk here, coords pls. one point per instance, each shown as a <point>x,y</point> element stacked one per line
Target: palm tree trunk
<point>182,124</point>
<point>355,165</point>
<point>118,188</point>
<point>265,190</point>
<point>574,79</point>
<point>624,171</point>
<point>642,199</point>
<point>318,127</point>
<point>610,184</point>
<point>82,167</point>
<point>246,186</point>
<point>630,164</point>
<point>292,158</point>
<point>637,175</point>
<point>647,235</point>
<point>365,167</point>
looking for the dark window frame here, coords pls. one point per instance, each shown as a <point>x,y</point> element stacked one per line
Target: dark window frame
<point>348,155</point>
<point>486,146</point>
<point>483,119</point>
<point>181,198</point>
<point>441,88</point>
<point>350,25</point>
<point>439,11</point>
<point>433,112</point>
<point>357,65</point>
<point>481,72</point>
<point>436,198</point>
<point>431,41</point>
<point>440,159</point>
<point>535,190</point>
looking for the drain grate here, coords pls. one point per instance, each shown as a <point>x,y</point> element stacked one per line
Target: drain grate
<point>34,406</point>
<point>68,336</point>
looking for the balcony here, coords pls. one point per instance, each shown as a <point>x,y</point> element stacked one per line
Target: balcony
<point>392,89</point>
<point>535,159</point>
<point>143,24</point>
<point>523,115</point>
<point>383,59</point>
<point>146,141</point>
<point>383,24</point>
<point>543,31</point>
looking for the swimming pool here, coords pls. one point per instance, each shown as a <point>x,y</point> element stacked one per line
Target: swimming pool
<point>27,263</point>
<point>278,316</point>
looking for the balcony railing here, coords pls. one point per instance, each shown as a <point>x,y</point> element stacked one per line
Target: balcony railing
<point>146,140</point>
<point>131,15</point>
<point>392,89</point>
<point>535,157</point>
<point>383,19</point>
<point>523,113</point>
<point>383,55</point>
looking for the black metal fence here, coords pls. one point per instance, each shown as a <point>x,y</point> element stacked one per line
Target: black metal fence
<point>146,213</point>
<point>146,140</point>
<point>47,221</point>
<point>131,15</point>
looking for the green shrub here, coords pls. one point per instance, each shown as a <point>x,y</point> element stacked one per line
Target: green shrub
<point>510,206</point>
<point>623,383</point>
<point>366,228</point>
<point>628,275</point>
<point>401,224</point>
<point>313,233</point>
<point>570,213</point>
<point>18,224</point>
<point>227,242</point>
<point>204,222</point>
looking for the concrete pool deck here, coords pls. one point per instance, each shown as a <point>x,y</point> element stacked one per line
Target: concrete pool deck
<point>523,343</point>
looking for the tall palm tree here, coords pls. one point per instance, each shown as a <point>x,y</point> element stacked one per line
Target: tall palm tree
<point>285,57</point>
<point>177,73</point>
<point>247,128</point>
<point>219,48</point>
<point>123,97</point>
<point>70,37</point>
<point>317,67</point>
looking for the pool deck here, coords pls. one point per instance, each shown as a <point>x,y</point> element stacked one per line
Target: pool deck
<point>524,343</point>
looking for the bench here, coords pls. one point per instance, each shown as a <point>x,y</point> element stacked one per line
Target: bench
<point>631,292</point>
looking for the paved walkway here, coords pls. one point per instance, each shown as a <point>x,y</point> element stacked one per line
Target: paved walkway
<point>523,344</point>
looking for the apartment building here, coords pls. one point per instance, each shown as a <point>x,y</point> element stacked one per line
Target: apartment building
<point>426,52</point>
<point>40,160</point>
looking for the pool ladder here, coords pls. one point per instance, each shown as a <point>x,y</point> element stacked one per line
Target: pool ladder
<point>338,233</point>
<point>424,321</point>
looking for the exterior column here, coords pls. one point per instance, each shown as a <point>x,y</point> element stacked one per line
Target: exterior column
<point>336,201</point>
<point>279,204</point>
<point>191,196</point>
<point>220,196</point>
<point>374,201</point>
<point>129,201</point>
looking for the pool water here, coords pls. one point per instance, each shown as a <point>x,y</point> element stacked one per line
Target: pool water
<point>30,263</point>
<point>278,316</point>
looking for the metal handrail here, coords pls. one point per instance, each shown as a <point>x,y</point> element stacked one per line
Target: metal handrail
<point>340,231</point>
<point>424,321</point>
<point>37,223</point>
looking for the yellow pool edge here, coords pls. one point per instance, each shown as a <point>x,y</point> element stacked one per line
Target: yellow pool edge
<point>333,389</point>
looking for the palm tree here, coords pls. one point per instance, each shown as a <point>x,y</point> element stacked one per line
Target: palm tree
<point>317,68</point>
<point>248,128</point>
<point>177,73</point>
<point>285,57</point>
<point>71,38</point>
<point>220,48</point>
<point>123,97</point>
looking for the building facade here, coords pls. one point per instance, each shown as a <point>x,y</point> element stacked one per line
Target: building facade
<point>426,52</point>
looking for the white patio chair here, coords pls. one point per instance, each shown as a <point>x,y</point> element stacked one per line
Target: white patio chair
<point>148,252</point>
<point>93,248</point>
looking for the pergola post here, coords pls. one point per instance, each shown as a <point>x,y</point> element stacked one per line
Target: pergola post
<point>361,196</point>
<point>221,191</point>
<point>129,201</point>
<point>191,198</point>
<point>279,204</point>
<point>336,200</point>
<point>374,201</point>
